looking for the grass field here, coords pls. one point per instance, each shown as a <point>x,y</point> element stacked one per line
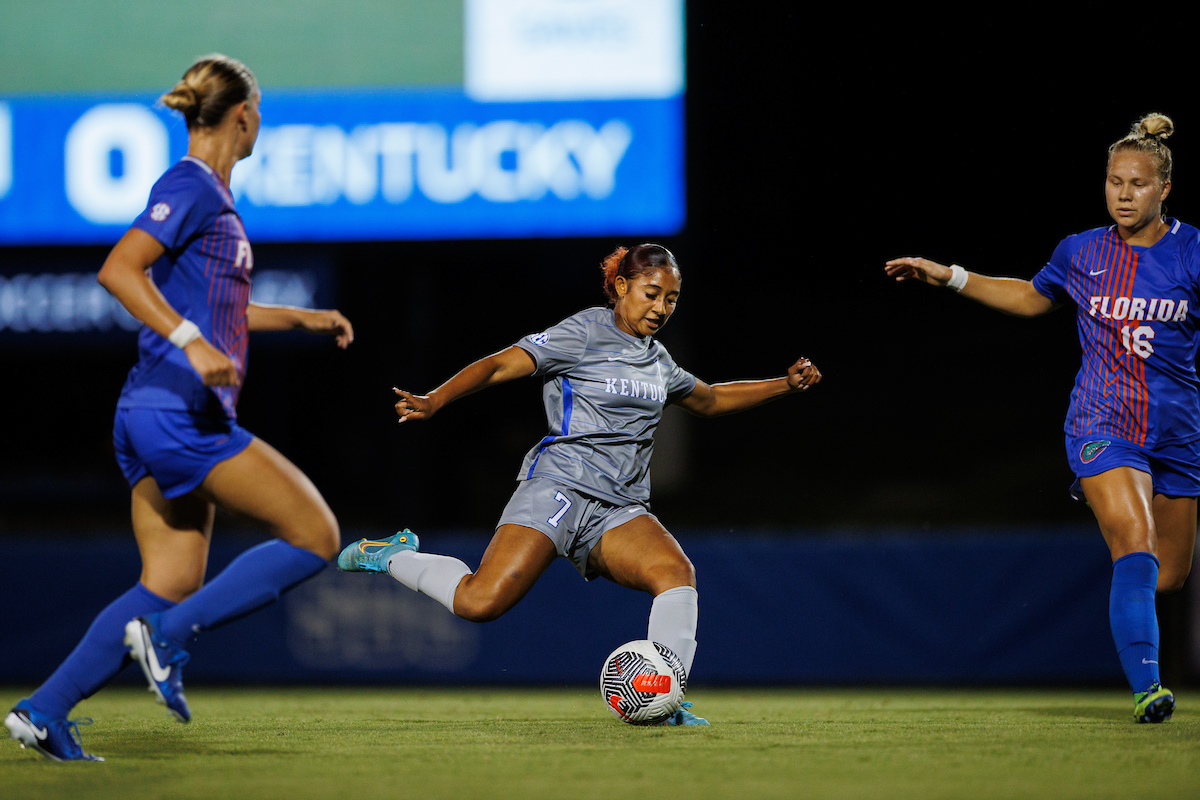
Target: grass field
<point>409,743</point>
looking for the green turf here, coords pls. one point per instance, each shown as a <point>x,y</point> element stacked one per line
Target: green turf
<point>405,743</point>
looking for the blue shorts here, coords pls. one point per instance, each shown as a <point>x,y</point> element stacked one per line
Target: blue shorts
<point>1174,468</point>
<point>176,448</point>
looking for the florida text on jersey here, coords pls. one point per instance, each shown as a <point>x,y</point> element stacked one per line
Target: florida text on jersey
<point>1136,313</point>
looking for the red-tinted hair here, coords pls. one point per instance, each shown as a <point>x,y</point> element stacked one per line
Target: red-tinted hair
<point>641,260</point>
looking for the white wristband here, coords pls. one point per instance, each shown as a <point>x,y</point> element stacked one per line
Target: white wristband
<point>958,278</point>
<point>185,334</point>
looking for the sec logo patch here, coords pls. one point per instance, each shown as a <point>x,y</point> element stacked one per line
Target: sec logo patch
<point>160,212</point>
<point>539,338</point>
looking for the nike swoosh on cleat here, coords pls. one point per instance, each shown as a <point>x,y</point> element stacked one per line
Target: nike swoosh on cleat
<point>40,733</point>
<point>157,671</point>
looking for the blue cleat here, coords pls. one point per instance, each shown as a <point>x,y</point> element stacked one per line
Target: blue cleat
<point>684,717</point>
<point>368,555</point>
<point>1154,705</point>
<point>56,739</point>
<point>162,663</point>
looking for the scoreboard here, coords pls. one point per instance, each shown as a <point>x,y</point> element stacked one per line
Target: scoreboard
<point>381,121</point>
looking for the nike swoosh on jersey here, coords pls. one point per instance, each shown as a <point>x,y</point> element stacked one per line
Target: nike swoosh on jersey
<point>1094,274</point>
<point>1146,661</point>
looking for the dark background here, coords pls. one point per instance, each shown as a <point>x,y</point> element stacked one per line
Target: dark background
<point>819,145</point>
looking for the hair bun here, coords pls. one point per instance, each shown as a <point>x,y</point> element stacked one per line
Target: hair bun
<point>182,98</point>
<point>1157,126</point>
<point>209,88</point>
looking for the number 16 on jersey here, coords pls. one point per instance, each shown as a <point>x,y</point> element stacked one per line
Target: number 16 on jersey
<point>1137,340</point>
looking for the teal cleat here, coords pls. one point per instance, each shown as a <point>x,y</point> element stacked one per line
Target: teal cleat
<point>684,717</point>
<point>1156,704</point>
<point>367,555</point>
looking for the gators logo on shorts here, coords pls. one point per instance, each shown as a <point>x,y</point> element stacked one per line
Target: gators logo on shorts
<point>1092,450</point>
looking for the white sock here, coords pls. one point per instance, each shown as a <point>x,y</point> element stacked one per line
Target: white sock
<point>673,623</point>
<point>436,576</point>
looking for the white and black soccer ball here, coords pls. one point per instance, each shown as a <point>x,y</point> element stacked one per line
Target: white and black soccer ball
<point>643,682</point>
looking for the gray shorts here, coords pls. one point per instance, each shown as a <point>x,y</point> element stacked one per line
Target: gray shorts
<point>573,521</point>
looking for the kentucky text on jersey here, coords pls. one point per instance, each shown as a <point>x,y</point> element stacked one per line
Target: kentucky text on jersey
<point>1137,331</point>
<point>204,274</point>
<point>635,388</point>
<point>604,392</point>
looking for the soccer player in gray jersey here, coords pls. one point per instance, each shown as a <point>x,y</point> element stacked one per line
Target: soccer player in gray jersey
<point>584,488</point>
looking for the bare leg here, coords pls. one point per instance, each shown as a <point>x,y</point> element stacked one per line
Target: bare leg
<point>514,560</point>
<point>262,484</point>
<point>1175,524</point>
<point>1122,500</point>
<point>642,555</point>
<point>173,538</point>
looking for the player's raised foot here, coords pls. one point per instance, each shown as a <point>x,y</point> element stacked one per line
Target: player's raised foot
<point>684,717</point>
<point>1156,704</point>
<point>162,664</point>
<point>56,739</point>
<point>371,555</point>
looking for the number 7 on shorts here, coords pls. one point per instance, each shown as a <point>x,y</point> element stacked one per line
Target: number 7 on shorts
<point>558,515</point>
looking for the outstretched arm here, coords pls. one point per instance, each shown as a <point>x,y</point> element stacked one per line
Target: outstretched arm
<point>124,276</point>
<point>502,367</point>
<point>1010,295</point>
<point>260,317</point>
<point>727,398</point>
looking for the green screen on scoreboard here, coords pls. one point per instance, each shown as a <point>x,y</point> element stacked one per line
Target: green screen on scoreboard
<point>84,45</point>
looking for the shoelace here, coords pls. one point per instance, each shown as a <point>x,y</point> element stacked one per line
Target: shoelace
<point>71,726</point>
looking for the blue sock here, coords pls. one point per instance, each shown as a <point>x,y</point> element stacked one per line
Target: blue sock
<point>252,580</point>
<point>1134,621</point>
<point>100,654</point>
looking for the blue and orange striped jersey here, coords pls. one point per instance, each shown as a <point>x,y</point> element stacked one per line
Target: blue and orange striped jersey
<point>1136,312</point>
<point>205,276</point>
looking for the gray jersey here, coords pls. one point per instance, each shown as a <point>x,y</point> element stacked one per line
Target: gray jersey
<point>604,392</point>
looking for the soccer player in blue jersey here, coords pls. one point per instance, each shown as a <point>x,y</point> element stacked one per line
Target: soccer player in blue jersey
<point>1133,427</point>
<point>584,488</point>
<point>183,269</point>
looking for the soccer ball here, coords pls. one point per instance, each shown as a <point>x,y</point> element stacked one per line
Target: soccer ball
<point>643,682</point>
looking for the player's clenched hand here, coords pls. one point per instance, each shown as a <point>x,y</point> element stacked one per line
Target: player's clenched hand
<point>921,269</point>
<point>214,367</point>
<point>329,322</point>
<point>413,406</point>
<point>803,374</point>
